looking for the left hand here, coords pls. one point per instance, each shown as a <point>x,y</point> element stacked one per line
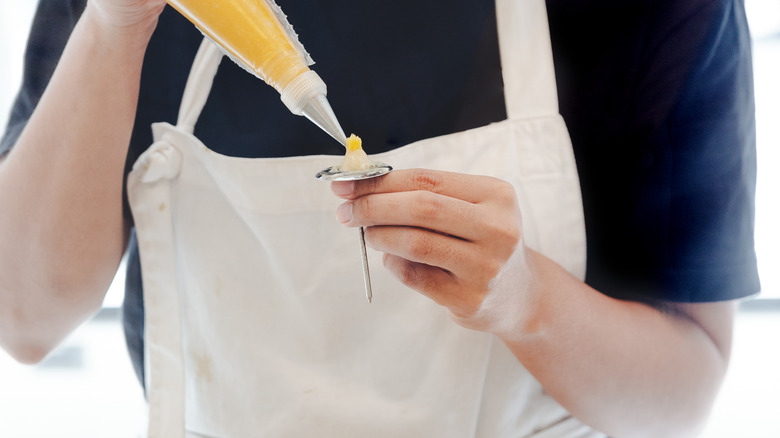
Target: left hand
<point>126,14</point>
<point>455,238</point>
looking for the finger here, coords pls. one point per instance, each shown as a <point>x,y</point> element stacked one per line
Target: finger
<point>415,209</point>
<point>435,283</point>
<point>426,279</point>
<point>422,246</point>
<point>470,188</point>
<point>472,265</point>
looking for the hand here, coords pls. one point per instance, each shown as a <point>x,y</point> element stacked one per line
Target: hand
<point>455,238</point>
<point>125,14</point>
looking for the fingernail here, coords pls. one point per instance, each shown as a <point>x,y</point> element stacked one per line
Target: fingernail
<point>344,212</point>
<point>343,188</point>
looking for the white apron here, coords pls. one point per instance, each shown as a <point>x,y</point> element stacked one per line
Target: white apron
<point>256,322</point>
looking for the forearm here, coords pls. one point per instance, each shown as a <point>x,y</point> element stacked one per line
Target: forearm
<point>62,225</point>
<point>625,368</point>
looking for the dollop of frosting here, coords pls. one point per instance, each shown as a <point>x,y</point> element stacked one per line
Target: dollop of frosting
<point>355,158</point>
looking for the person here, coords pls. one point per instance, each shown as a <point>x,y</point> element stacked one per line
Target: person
<point>659,107</point>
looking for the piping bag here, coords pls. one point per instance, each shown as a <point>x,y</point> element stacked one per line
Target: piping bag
<point>257,36</point>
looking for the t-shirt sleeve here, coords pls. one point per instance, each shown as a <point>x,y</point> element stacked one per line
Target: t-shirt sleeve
<point>712,147</point>
<point>692,227</point>
<point>51,27</point>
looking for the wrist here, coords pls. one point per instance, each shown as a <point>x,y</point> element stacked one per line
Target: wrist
<point>512,307</point>
<point>123,30</point>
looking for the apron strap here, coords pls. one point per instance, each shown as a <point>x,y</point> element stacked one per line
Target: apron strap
<point>196,92</point>
<point>524,40</point>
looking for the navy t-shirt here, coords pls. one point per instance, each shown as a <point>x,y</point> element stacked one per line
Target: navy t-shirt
<point>657,96</point>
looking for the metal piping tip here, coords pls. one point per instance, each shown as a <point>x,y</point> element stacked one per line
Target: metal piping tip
<point>318,110</point>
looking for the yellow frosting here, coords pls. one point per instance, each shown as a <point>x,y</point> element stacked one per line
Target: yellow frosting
<point>355,158</point>
<point>354,143</point>
<point>251,33</point>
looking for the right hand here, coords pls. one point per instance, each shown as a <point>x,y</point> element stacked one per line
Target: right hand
<point>126,14</point>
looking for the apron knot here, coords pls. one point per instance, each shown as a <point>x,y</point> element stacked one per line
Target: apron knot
<point>160,161</point>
